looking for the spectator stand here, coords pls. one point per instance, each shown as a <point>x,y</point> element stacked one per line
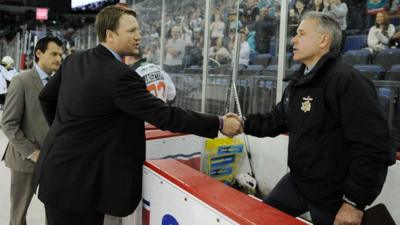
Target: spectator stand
<point>373,72</point>
<point>394,73</point>
<point>357,56</point>
<point>355,42</point>
<point>388,57</point>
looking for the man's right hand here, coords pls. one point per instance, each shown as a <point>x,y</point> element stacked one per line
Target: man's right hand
<point>35,155</point>
<point>348,215</point>
<point>232,126</point>
<point>235,116</point>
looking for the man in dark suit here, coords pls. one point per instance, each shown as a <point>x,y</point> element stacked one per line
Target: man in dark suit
<point>92,158</point>
<point>25,126</point>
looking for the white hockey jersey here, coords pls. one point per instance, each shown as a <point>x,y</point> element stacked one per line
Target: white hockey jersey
<point>5,75</point>
<point>158,81</point>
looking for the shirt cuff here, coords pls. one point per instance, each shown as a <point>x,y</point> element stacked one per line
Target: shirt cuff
<point>30,156</point>
<point>221,123</point>
<point>352,203</point>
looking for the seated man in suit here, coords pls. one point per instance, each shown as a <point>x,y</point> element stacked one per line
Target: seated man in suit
<point>25,126</point>
<point>91,161</point>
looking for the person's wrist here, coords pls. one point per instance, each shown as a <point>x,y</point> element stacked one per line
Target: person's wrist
<point>354,204</point>
<point>243,121</point>
<point>221,123</point>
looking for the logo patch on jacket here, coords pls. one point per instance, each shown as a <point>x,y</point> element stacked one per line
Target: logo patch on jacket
<point>306,104</point>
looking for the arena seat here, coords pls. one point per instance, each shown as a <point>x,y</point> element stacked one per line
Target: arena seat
<point>272,68</point>
<point>373,72</point>
<point>394,73</point>
<point>252,70</point>
<point>264,95</point>
<point>288,57</point>
<point>355,42</point>
<point>388,57</point>
<point>385,98</point>
<point>352,32</point>
<point>295,66</point>
<point>193,69</point>
<point>395,20</point>
<point>262,59</point>
<point>353,57</point>
<point>272,48</point>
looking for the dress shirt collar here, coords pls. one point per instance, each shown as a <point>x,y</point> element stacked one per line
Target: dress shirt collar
<point>118,57</point>
<point>307,70</point>
<point>43,75</point>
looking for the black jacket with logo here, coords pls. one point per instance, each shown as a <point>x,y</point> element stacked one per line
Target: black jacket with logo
<point>339,142</point>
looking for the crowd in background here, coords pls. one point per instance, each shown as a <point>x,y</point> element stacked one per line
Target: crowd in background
<point>254,22</point>
<point>258,22</point>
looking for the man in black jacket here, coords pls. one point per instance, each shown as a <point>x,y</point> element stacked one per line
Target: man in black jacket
<point>339,145</point>
<point>91,161</point>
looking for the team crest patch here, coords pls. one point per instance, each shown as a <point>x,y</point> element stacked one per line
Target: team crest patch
<point>306,104</point>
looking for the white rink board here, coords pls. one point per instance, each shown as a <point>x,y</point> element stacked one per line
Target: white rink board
<point>270,163</point>
<point>391,191</point>
<point>167,198</point>
<point>185,145</point>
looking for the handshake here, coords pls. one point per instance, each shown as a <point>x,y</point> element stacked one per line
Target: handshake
<point>233,125</point>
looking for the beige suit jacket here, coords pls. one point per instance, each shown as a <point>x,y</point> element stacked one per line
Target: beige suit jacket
<point>23,121</point>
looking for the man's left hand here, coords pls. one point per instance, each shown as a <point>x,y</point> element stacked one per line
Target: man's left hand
<point>348,215</point>
<point>35,155</point>
<point>232,126</point>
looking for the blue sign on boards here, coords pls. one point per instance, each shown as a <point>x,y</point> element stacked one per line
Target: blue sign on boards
<point>169,220</point>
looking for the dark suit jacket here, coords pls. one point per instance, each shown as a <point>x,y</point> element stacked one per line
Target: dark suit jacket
<point>93,154</point>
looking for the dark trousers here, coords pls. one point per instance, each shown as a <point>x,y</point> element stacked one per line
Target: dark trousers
<point>56,216</point>
<point>285,197</point>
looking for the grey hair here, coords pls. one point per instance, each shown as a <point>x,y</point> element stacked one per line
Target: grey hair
<point>327,24</point>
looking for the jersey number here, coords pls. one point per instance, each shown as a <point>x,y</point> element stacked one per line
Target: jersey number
<point>157,89</point>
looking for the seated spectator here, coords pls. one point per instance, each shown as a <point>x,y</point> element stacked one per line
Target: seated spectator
<point>318,5</point>
<point>357,15</point>
<point>169,23</point>
<point>393,6</point>
<point>196,52</point>
<point>264,30</point>
<point>251,40</point>
<point>217,27</point>
<point>295,16</point>
<point>244,54</point>
<point>175,50</point>
<point>152,53</point>
<point>338,10</point>
<point>187,34</point>
<point>380,34</point>
<point>375,6</point>
<point>231,39</point>
<point>196,22</point>
<point>251,12</point>
<point>154,32</point>
<point>394,42</point>
<point>220,53</point>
